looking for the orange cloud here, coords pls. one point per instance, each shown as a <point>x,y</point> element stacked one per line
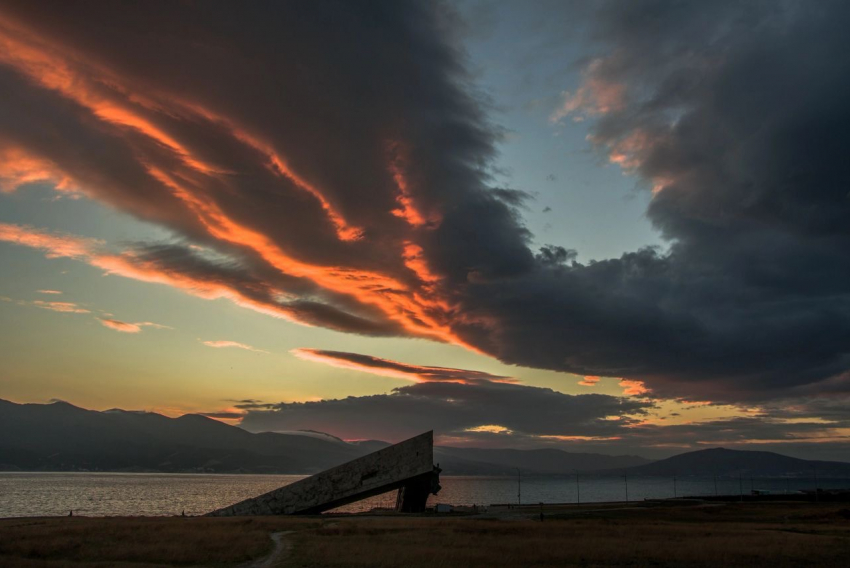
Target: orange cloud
<point>597,95</point>
<point>414,259</point>
<point>419,309</point>
<point>579,438</point>
<point>18,167</point>
<point>62,307</point>
<point>58,69</point>
<point>344,231</point>
<point>129,265</point>
<point>490,429</point>
<point>418,316</point>
<point>157,126</point>
<point>120,325</point>
<point>589,381</point>
<point>127,327</point>
<point>278,164</point>
<point>419,313</point>
<point>407,209</point>
<point>633,388</point>
<point>55,245</point>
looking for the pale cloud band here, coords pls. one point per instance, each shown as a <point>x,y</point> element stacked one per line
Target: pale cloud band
<point>127,327</point>
<point>61,307</point>
<point>223,344</point>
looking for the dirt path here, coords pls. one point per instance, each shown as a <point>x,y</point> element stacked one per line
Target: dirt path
<point>279,554</point>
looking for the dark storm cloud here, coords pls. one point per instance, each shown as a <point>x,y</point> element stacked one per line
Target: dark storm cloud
<point>451,408</point>
<point>336,158</point>
<point>248,403</point>
<point>492,414</point>
<point>833,410</point>
<point>737,115</point>
<point>255,405</point>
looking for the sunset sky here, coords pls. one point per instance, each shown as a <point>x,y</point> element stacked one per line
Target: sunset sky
<point>599,226</point>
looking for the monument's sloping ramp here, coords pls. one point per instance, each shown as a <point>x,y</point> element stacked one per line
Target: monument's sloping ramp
<point>407,466</point>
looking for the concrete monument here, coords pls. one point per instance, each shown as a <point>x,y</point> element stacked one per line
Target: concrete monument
<point>407,466</point>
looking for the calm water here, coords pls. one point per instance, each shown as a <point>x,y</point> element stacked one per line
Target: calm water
<point>38,494</point>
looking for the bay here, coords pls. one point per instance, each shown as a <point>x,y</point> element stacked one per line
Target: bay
<point>156,494</point>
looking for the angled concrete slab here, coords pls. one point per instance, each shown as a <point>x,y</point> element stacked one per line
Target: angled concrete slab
<point>407,466</point>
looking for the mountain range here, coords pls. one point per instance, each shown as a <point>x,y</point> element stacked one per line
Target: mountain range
<point>62,437</point>
<point>724,462</point>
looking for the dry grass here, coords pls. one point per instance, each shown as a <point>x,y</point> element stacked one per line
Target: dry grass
<point>80,541</point>
<point>774,534</point>
<point>777,536</point>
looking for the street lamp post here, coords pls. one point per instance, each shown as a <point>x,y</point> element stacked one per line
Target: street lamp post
<point>518,488</point>
<point>741,486</point>
<point>578,491</point>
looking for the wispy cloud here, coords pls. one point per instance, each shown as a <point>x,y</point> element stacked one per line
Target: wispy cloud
<point>64,307</point>
<point>186,268</point>
<point>223,344</point>
<point>55,245</point>
<point>250,404</point>
<point>120,325</point>
<point>74,308</point>
<point>127,327</point>
<point>633,388</point>
<point>597,96</point>
<point>589,381</point>
<point>396,369</point>
<point>153,325</point>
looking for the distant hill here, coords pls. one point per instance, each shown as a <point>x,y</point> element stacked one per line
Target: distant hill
<point>723,462</point>
<point>63,437</point>
<point>543,461</point>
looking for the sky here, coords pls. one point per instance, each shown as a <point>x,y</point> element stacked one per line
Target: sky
<point>598,226</point>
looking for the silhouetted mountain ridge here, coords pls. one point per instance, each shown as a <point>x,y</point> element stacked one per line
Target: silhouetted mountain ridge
<point>725,462</point>
<point>60,436</point>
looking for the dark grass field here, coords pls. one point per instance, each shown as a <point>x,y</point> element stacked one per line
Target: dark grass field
<point>140,541</point>
<point>749,534</point>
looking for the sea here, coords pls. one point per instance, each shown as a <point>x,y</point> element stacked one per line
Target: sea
<point>159,494</point>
